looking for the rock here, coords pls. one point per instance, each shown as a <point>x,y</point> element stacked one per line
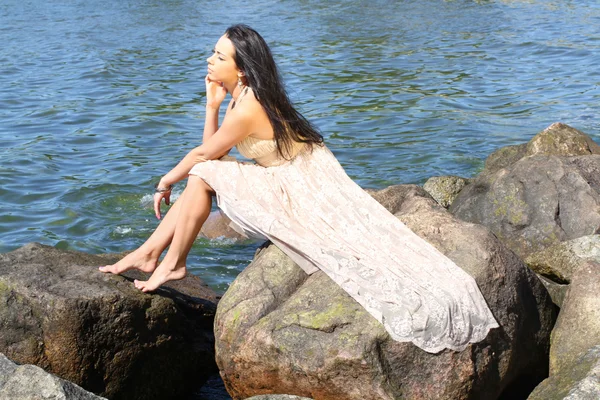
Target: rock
<point>57,311</point>
<point>392,197</point>
<point>556,290</point>
<point>560,261</point>
<point>277,397</point>
<point>562,140</point>
<point>217,225</point>
<point>535,203</point>
<point>504,157</point>
<point>538,194</point>
<point>578,326</point>
<point>32,382</point>
<point>278,330</point>
<point>7,368</point>
<point>580,382</point>
<point>444,189</point>
<point>557,140</point>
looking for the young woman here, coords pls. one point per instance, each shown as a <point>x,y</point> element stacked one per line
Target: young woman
<point>298,196</point>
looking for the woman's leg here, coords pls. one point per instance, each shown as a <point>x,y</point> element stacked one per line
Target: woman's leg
<point>195,208</point>
<point>145,257</point>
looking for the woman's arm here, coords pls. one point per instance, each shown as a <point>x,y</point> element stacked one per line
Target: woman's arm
<point>211,123</point>
<point>215,94</point>
<point>236,126</point>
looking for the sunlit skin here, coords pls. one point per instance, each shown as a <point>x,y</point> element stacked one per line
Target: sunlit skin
<point>181,225</point>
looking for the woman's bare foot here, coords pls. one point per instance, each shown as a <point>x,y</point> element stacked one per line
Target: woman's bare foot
<point>136,259</point>
<point>163,274</point>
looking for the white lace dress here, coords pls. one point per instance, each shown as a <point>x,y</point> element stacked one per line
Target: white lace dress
<point>323,220</point>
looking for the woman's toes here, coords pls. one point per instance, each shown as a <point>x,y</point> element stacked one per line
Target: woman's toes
<point>140,285</point>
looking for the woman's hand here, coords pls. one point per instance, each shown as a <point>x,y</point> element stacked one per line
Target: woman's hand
<point>158,198</point>
<point>215,93</point>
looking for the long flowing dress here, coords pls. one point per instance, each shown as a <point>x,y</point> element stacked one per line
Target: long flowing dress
<point>314,212</point>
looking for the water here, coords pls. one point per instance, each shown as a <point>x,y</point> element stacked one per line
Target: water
<point>99,99</point>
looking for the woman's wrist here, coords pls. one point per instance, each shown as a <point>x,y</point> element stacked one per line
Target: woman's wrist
<point>158,188</point>
<point>213,107</point>
<point>163,185</point>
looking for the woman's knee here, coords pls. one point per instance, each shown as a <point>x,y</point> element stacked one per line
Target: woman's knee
<point>196,181</point>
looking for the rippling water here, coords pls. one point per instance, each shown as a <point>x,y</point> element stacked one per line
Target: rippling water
<point>99,99</point>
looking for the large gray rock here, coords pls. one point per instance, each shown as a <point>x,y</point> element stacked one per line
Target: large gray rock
<point>24,382</point>
<point>278,330</point>
<point>57,311</point>
<point>542,198</point>
<point>578,326</point>
<point>560,261</point>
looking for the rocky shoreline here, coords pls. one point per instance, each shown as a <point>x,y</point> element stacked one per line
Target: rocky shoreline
<point>526,228</point>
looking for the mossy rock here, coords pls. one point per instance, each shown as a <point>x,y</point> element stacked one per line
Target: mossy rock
<point>579,382</point>
<point>444,189</point>
<point>560,261</point>
<point>562,140</point>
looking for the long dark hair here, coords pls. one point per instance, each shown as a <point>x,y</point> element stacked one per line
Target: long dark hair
<point>254,58</point>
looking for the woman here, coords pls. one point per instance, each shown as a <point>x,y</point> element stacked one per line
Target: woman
<point>298,196</point>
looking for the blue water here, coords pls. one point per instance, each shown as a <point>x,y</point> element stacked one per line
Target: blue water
<point>100,99</point>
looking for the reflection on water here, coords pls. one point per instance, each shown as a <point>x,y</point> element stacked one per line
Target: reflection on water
<point>97,101</point>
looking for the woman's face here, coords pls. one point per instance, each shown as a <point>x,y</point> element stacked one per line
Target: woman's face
<point>221,66</point>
